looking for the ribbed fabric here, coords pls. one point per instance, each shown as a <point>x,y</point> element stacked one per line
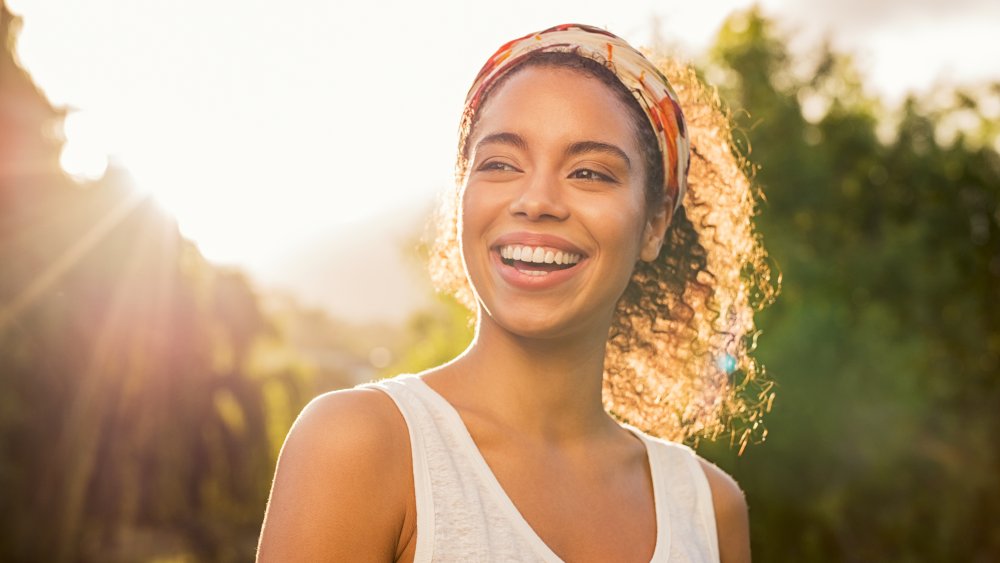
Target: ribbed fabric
<point>463,514</point>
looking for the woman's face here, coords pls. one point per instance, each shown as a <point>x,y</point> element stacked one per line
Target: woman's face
<point>553,210</point>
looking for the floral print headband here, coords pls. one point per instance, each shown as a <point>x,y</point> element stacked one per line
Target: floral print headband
<point>646,83</point>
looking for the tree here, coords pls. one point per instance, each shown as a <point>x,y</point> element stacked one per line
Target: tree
<point>885,342</point>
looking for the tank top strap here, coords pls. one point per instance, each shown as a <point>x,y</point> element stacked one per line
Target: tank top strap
<point>417,417</point>
<point>459,517</point>
<point>685,489</point>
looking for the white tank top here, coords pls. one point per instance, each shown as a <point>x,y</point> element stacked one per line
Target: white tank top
<point>463,514</point>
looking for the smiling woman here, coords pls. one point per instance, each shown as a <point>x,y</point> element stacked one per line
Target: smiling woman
<point>612,295</point>
<point>550,172</point>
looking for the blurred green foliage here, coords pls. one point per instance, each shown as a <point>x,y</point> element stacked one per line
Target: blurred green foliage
<point>885,341</point>
<point>144,392</point>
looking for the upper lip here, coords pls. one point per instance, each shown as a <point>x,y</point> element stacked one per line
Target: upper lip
<point>537,239</point>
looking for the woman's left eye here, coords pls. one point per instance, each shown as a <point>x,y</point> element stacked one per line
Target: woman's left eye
<point>591,175</point>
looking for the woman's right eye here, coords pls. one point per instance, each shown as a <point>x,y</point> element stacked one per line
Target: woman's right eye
<point>496,165</point>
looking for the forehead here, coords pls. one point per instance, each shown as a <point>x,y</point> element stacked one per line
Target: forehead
<point>556,104</point>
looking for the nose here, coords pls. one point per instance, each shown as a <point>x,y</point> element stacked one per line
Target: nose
<point>540,198</point>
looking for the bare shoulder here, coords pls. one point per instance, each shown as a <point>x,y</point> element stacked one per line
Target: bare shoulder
<point>361,422</point>
<point>731,518</point>
<point>341,481</point>
<point>727,496</point>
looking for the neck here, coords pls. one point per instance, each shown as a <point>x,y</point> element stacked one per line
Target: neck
<point>550,388</point>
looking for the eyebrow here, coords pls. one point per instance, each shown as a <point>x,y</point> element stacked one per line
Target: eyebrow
<point>581,147</point>
<point>512,139</point>
<point>596,146</point>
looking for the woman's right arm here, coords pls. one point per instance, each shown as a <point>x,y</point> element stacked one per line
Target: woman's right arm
<point>341,485</point>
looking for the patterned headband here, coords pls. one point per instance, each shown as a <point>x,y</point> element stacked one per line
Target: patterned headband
<point>647,84</point>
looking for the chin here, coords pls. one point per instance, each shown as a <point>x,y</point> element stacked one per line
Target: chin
<point>538,323</point>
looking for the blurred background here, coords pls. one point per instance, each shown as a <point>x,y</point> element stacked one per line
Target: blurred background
<point>211,212</point>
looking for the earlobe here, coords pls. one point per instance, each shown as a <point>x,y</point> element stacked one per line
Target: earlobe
<point>651,248</point>
<point>653,234</point>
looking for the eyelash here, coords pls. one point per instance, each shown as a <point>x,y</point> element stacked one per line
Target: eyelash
<point>496,165</point>
<point>592,176</point>
<point>585,174</point>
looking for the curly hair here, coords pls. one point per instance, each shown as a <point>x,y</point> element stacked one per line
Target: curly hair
<point>679,361</point>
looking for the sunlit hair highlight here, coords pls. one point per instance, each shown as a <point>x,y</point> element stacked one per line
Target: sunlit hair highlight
<point>679,360</point>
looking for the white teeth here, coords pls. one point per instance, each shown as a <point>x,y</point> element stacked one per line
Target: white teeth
<point>538,255</point>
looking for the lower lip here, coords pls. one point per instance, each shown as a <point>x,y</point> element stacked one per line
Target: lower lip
<point>519,279</point>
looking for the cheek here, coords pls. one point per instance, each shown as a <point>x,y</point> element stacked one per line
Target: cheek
<point>468,214</point>
<point>475,211</point>
<point>479,205</point>
<point>620,225</point>
<point>629,242</point>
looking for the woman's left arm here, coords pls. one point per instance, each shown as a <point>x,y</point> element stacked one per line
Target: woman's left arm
<point>731,519</point>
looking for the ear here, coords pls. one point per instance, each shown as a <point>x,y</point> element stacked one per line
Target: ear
<point>655,231</point>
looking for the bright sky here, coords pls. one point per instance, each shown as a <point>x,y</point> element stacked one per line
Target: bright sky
<point>261,125</point>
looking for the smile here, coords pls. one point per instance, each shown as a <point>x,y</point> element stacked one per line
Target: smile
<point>538,260</point>
<point>525,273</point>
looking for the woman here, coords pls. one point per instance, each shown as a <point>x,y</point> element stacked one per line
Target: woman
<point>596,275</point>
